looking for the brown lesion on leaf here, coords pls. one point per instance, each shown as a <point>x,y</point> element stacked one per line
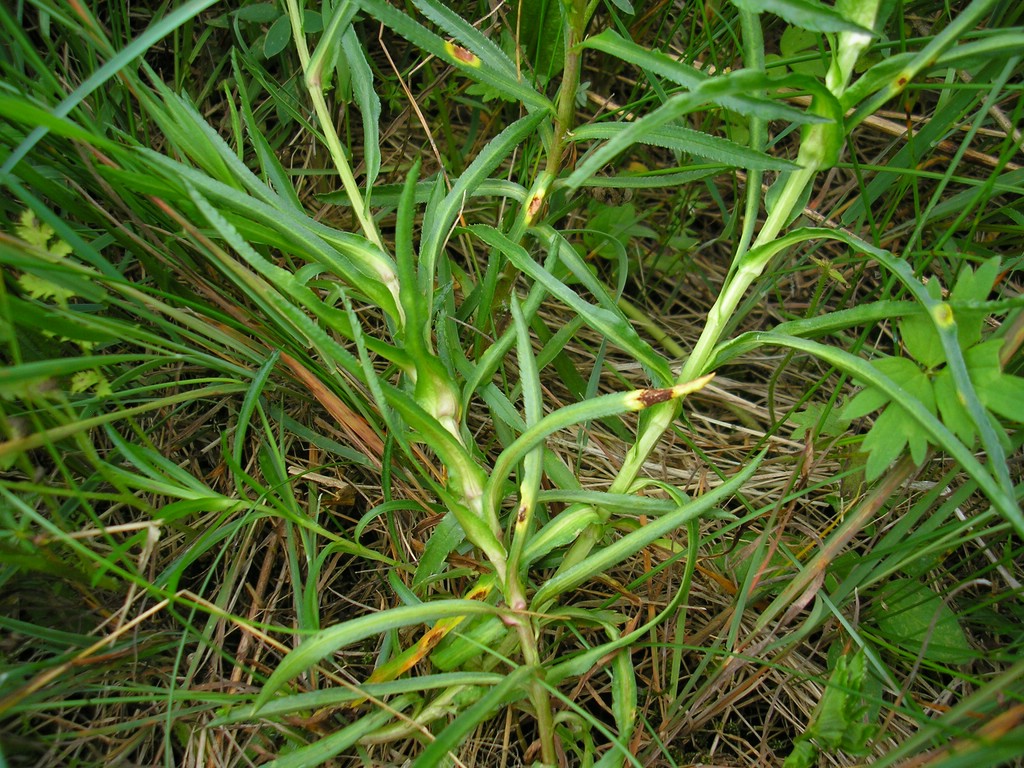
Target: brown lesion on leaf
<point>534,206</point>
<point>521,516</point>
<point>649,397</point>
<point>432,637</point>
<point>462,55</point>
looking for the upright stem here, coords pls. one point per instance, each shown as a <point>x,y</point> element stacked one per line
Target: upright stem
<point>565,118</point>
<point>753,56</point>
<point>314,84</point>
<point>741,274</point>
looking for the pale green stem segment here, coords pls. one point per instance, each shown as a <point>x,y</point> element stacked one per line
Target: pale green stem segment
<point>818,148</point>
<point>533,463</point>
<point>576,16</point>
<point>313,71</point>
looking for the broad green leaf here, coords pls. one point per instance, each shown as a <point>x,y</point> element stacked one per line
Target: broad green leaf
<point>886,440</point>
<point>973,286</point>
<point>918,334</point>
<point>278,37</point>
<point>952,410</point>
<point>540,35</point>
<point>797,42</point>
<point>1004,396</point>
<point>833,423</point>
<point>617,223</point>
<point>911,616</point>
<point>258,13</point>
<point>806,14</point>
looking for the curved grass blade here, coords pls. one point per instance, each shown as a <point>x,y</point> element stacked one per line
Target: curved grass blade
<point>693,142</point>
<point>533,462</point>
<point>512,688</point>
<point>368,101</point>
<point>608,322</point>
<point>508,85</point>
<point>611,42</point>
<point>324,749</point>
<point>606,558</point>
<point>332,697</point>
<point>576,413</point>
<point>864,371</point>
<point>327,641</point>
<point>122,59</point>
<point>439,219</point>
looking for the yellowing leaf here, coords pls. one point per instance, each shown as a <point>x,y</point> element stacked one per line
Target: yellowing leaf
<point>35,232</point>
<point>42,289</point>
<point>83,381</point>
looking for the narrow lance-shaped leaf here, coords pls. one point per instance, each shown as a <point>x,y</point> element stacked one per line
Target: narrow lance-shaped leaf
<point>490,54</point>
<point>693,142</point>
<point>440,217</point>
<point>806,14</point>
<point>600,561</point>
<point>327,641</point>
<point>714,90</point>
<point>466,60</point>
<point>608,322</point>
<point>588,410</point>
<point>534,459</point>
<point>611,42</point>
<point>368,101</point>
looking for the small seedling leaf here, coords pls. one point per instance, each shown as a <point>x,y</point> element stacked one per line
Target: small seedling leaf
<point>922,340</point>
<point>914,618</point>
<point>278,37</point>
<point>258,13</point>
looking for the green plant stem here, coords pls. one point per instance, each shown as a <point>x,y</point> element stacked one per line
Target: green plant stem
<point>313,78</point>
<point>753,55</point>
<point>566,110</point>
<point>742,274</point>
<point>539,696</point>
